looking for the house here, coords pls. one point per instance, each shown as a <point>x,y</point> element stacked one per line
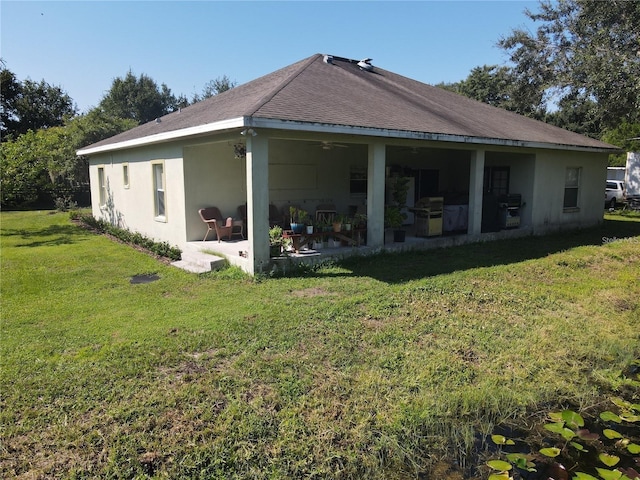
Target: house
<point>330,130</point>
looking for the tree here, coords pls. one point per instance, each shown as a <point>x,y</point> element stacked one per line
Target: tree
<point>139,99</point>
<point>9,92</point>
<point>626,136</point>
<point>585,51</point>
<point>41,167</point>
<point>32,105</point>
<point>215,87</point>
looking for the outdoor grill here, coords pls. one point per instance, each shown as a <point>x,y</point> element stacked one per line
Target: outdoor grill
<point>428,211</point>
<point>509,210</point>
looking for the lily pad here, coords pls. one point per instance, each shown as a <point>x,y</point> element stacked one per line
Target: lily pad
<point>502,440</point>
<point>550,452</point>
<point>609,460</point>
<point>585,434</point>
<point>609,474</point>
<point>578,446</point>
<point>633,448</point>
<point>572,419</point>
<point>584,476</point>
<point>610,417</point>
<point>611,434</point>
<point>499,465</point>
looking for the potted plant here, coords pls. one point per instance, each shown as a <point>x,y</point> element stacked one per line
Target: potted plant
<point>296,217</point>
<point>393,219</point>
<point>337,223</point>
<point>347,224</point>
<point>399,187</point>
<point>276,241</point>
<point>308,221</point>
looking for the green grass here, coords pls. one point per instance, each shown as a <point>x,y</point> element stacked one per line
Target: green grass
<point>384,367</point>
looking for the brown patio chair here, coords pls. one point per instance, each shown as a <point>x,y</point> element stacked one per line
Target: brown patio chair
<point>213,218</point>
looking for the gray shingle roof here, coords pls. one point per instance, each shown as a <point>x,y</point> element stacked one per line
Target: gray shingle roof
<point>312,91</point>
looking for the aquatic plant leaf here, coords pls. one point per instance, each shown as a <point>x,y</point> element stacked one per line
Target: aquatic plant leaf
<point>631,473</point>
<point>522,461</point>
<point>608,460</point>
<point>583,476</point>
<point>630,418</point>
<point>572,419</point>
<point>502,440</point>
<point>585,434</point>
<point>633,448</point>
<point>556,417</point>
<point>610,417</point>
<point>499,465</point>
<point>619,402</point>
<point>500,476</point>
<point>609,474</point>
<point>557,471</point>
<point>550,452</point>
<point>611,434</point>
<point>560,429</point>
<point>578,446</point>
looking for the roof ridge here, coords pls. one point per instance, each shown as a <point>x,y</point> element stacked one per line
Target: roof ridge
<point>269,96</point>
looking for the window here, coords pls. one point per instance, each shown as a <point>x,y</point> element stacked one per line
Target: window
<point>159,192</point>
<point>125,175</point>
<point>358,181</point>
<point>102,187</point>
<point>571,188</point>
<point>496,180</point>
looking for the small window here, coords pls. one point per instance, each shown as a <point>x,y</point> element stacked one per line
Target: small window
<point>571,188</point>
<point>125,175</point>
<point>102,187</point>
<point>358,181</point>
<point>159,191</point>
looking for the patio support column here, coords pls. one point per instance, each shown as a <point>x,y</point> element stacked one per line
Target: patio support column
<point>476,181</point>
<point>258,201</point>
<point>375,195</point>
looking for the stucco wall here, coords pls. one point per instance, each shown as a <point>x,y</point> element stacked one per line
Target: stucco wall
<point>133,207</point>
<point>549,183</point>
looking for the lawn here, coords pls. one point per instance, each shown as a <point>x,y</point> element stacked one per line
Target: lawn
<point>389,367</point>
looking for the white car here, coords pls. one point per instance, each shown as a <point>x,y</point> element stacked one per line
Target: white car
<point>614,193</point>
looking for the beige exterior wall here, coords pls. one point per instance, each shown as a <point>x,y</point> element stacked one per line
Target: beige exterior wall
<point>133,206</point>
<point>549,181</point>
<point>301,173</point>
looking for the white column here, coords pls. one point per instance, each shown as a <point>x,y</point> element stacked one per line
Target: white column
<point>258,201</point>
<point>375,195</point>
<point>476,181</point>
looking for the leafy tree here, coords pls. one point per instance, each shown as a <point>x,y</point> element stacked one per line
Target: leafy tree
<point>32,105</point>
<point>215,87</point>
<point>626,136</point>
<point>39,167</point>
<point>9,93</point>
<point>585,53</point>
<point>139,99</point>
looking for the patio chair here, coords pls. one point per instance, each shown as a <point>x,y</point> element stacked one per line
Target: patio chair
<point>213,218</point>
<point>275,216</point>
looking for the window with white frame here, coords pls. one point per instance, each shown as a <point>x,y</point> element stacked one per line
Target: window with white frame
<point>159,191</point>
<point>102,187</point>
<point>125,175</point>
<point>571,188</point>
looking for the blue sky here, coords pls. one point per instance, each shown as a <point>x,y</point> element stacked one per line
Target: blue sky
<point>83,45</point>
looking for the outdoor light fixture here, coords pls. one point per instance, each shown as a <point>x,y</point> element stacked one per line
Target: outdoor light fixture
<point>239,150</point>
<point>249,131</point>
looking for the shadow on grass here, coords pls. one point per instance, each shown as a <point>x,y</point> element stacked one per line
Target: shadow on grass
<point>51,236</point>
<point>403,267</point>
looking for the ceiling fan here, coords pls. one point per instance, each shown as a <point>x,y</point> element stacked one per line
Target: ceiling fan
<point>326,145</point>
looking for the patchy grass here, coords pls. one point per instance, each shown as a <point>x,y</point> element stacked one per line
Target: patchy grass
<point>392,367</point>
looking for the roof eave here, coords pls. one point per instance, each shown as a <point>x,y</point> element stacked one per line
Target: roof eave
<point>411,135</point>
<point>270,123</point>
<point>166,136</point>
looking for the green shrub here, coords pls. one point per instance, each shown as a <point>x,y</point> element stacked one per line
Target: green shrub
<point>162,249</point>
